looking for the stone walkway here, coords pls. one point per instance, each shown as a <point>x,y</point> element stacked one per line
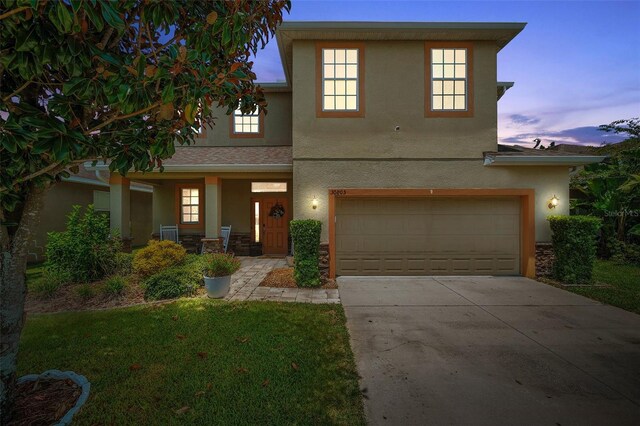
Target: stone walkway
<point>245,282</point>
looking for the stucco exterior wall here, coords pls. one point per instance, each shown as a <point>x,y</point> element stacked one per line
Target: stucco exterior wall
<point>277,125</point>
<point>59,201</point>
<point>236,203</point>
<point>394,96</point>
<point>315,178</point>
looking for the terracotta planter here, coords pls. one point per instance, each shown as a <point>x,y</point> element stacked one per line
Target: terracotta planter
<point>217,287</point>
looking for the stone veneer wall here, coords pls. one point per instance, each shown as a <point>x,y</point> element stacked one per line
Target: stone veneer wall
<point>323,260</point>
<point>544,259</point>
<point>239,243</point>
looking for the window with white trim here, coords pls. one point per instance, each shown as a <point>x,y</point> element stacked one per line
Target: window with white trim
<point>340,79</point>
<point>190,206</point>
<point>246,123</point>
<point>449,79</point>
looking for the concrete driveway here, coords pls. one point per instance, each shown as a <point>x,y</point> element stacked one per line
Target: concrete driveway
<point>490,350</point>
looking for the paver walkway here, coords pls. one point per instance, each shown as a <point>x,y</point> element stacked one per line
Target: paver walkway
<point>245,282</point>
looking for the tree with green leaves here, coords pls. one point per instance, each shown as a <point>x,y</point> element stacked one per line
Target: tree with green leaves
<point>611,190</point>
<point>116,80</point>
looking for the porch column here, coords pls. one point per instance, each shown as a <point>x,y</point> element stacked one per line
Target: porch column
<point>120,208</point>
<point>213,214</point>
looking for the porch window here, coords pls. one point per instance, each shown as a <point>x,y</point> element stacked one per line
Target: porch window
<point>190,206</point>
<point>256,221</point>
<point>268,186</point>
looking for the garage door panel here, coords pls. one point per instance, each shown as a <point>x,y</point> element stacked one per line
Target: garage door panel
<point>419,236</point>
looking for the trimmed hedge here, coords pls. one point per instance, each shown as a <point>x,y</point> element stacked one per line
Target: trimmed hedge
<point>157,256</point>
<point>574,244</point>
<point>306,242</point>
<point>176,281</point>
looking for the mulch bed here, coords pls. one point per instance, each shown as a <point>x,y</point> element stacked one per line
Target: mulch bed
<point>66,298</point>
<point>283,278</point>
<point>43,402</point>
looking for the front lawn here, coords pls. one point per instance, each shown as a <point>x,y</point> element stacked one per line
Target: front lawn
<point>197,361</point>
<point>622,285</point>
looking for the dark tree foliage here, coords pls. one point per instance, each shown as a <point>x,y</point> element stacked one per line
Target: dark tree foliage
<point>116,80</point>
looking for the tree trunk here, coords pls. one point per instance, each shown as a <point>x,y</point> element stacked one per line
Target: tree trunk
<point>13,290</point>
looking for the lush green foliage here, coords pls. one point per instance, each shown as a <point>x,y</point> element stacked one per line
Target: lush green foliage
<point>86,250</point>
<point>221,265</point>
<point>611,190</point>
<point>121,80</point>
<point>176,281</point>
<point>305,235</point>
<point>156,256</point>
<point>617,284</point>
<point>123,264</point>
<point>574,245</point>
<point>114,285</point>
<point>230,363</point>
<point>48,283</point>
<point>85,291</point>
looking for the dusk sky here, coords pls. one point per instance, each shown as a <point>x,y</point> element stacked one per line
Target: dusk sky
<point>576,65</point>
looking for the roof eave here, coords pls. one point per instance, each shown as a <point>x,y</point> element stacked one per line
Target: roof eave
<point>534,160</point>
<point>212,167</point>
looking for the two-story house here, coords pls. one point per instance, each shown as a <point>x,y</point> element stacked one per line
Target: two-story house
<point>387,134</point>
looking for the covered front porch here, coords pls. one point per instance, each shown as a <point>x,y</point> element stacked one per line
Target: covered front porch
<point>203,189</point>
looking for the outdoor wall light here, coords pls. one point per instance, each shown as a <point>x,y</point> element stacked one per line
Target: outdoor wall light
<point>314,203</point>
<point>553,202</point>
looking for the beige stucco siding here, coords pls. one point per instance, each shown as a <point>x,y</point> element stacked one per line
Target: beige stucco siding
<point>395,96</point>
<point>315,178</point>
<point>277,125</point>
<point>59,201</point>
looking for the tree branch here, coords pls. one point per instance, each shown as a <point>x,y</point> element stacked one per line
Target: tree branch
<point>13,12</point>
<point>122,117</point>
<point>20,89</point>
<point>51,167</point>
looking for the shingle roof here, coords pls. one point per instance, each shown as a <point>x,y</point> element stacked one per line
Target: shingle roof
<point>518,155</point>
<point>230,155</point>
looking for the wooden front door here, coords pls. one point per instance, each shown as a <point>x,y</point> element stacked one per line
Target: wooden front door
<point>274,230</point>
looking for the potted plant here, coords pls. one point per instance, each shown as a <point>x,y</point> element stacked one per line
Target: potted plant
<point>217,274</point>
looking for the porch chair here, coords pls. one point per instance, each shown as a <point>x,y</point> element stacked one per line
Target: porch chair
<point>225,233</point>
<point>169,233</point>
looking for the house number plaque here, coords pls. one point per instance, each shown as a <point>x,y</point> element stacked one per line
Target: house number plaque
<point>338,192</point>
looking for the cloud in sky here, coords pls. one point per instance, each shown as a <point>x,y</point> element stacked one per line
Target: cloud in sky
<point>586,135</point>
<point>520,119</point>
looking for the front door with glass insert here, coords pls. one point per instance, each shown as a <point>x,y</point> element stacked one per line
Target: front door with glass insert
<point>271,224</point>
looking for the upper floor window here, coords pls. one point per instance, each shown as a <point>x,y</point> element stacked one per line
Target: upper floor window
<point>449,80</point>
<point>247,125</point>
<point>340,79</point>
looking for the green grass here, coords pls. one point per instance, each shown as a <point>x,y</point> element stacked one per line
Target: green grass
<point>230,363</point>
<point>624,282</point>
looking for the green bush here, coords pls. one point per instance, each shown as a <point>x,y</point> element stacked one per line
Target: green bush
<point>86,250</point>
<point>156,256</point>
<point>114,286</point>
<point>306,242</point>
<point>221,265</point>
<point>85,291</point>
<point>49,283</point>
<point>123,264</point>
<point>574,245</point>
<point>177,281</point>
